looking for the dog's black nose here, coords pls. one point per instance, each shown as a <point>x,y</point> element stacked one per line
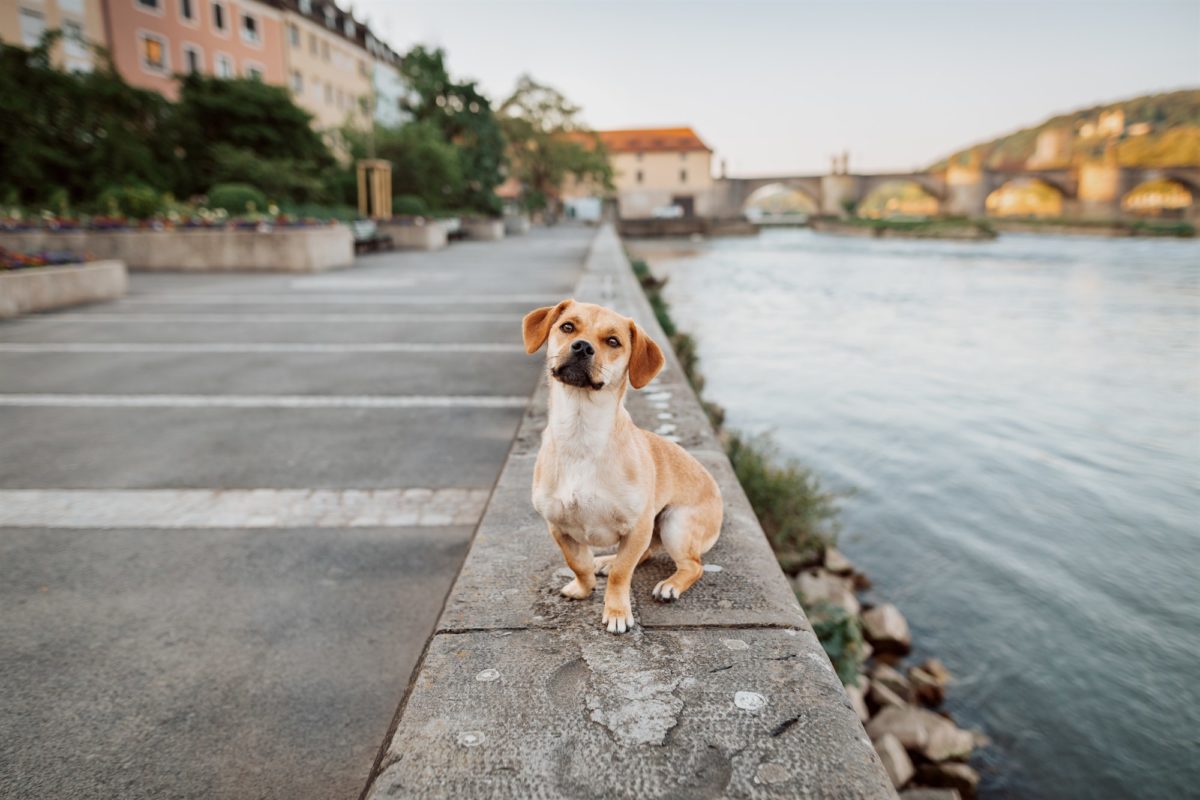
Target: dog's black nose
<point>581,348</point>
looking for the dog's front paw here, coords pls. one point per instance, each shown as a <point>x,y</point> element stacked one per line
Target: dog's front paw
<point>577,591</point>
<point>618,619</point>
<point>666,591</point>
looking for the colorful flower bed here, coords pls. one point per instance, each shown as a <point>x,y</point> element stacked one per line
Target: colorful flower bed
<point>11,259</point>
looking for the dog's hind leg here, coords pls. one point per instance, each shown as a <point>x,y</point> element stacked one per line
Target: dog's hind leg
<point>604,563</point>
<point>687,533</point>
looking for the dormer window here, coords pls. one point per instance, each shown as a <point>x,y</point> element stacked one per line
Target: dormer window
<point>330,18</point>
<point>306,7</point>
<point>348,27</point>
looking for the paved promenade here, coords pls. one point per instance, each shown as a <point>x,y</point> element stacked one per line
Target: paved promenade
<point>231,508</point>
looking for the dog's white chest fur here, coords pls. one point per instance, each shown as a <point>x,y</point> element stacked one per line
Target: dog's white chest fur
<point>582,491</point>
<point>589,506</point>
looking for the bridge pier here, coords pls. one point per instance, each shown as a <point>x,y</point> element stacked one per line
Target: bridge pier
<point>840,194</point>
<point>966,192</point>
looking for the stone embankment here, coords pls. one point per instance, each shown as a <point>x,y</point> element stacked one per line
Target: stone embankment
<point>35,289</point>
<point>724,693</point>
<point>953,229</point>
<point>921,748</point>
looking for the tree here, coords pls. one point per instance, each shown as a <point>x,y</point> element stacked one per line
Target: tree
<point>245,130</point>
<point>77,134</point>
<point>424,164</point>
<point>547,143</point>
<point>465,119</point>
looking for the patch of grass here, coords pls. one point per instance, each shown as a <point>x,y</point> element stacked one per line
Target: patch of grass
<point>840,633</point>
<point>798,515</point>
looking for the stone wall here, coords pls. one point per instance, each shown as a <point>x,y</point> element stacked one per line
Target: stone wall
<point>724,693</point>
<point>45,288</point>
<point>311,249</point>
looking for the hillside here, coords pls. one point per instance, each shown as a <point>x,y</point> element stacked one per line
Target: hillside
<point>1159,130</point>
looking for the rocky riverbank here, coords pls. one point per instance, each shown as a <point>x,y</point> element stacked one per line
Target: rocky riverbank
<point>953,228</point>
<point>925,754</point>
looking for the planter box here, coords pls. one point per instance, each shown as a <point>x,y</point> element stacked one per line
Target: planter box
<point>516,225</point>
<point>483,230</point>
<point>279,250</point>
<point>43,288</point>
<point>432,235</point>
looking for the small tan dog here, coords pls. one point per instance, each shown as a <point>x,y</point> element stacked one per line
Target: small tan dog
<point>600,480</point>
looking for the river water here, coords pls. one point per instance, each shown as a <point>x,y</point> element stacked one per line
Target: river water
<point>1020,421</point>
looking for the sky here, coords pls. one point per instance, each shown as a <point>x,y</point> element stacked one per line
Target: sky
<point>775,88</point>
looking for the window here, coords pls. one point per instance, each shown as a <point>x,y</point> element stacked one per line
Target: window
<point>193,61</point>
<point>71,6</point>
<point>254,72</point>
<point>149,5</point>
<point>312,43</point>
<point>218,16</point>
<point>683,176</point>
<point>316,84</point>
<point>306,7</point>
<point>348,27</point>
<point>73,42</point>
<point>683,156</point>
<point>224,66</point>
<point>187,10</point>
<point>33,25</point>
<point>325,50</point>
<point>154,52</point>
<point>297,82</point>
<point>328,94</point>
<point>250,29</point>
<point>293,35</point>
<point>330,18</point>
<point>639,176</point>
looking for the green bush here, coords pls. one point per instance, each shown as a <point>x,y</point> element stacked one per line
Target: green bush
<point>798,515</point>
<point>840,633</point>
<point>409,204</point>
<point>132,200</point>
<point>237,198</point>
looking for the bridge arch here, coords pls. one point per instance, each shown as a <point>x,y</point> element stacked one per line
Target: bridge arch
<point>899,197</point>
<point>1160,196</point>
<point>1026,197</point>
<point>780,200</point>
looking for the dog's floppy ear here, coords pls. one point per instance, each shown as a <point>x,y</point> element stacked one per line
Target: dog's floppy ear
<point>645,359</point>
<point>538,323</point>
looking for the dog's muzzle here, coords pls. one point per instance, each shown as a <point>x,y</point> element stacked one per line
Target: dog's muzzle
<point>576,368</point>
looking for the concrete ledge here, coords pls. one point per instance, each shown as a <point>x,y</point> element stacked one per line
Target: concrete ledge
<point>44,288</point>
<point>313,249</point>
<point>483,230</point>
<point>432,235</point>
<point>725,693</point>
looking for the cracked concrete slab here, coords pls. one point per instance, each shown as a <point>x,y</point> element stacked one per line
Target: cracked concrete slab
<point>579,713</point>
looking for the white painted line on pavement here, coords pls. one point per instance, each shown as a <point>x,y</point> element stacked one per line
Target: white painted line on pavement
<point>339,299</point>
<point>239,508</point>
<point>258,401</point>
<point>251,317</point>
<point>258,347</point>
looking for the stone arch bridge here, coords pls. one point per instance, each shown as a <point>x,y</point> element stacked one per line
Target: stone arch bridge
<point>1089,190</point>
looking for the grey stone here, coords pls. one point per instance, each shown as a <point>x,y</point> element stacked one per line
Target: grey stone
<point>889,676</point>
<point>895,759</point>
<point>886,628</point>
<point>836,562</point>
<point>925,687</point>
<point>857,693</point>
<point>817,586</point>
<point>950,775</point>
<point>921,731</point>
<point>882,696</point>
<point>930,794</point>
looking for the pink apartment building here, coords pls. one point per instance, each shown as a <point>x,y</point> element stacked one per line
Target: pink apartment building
<point>151,40</point>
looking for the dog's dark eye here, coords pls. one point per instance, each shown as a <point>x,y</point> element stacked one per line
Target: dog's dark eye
<point>613,341</point>
<point>567,327</point>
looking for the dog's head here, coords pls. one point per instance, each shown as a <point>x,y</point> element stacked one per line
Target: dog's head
<point>592,347</point>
